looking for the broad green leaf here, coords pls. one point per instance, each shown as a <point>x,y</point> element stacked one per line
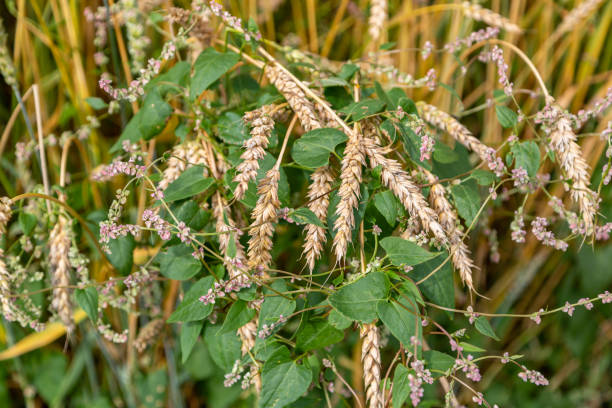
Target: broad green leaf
<point>188,184</point>
<point>27,222</point>
<point>506,116</point>
<point>527,155</point>
<point>317,335</point>
<point>439,287</point>
<point>347,71</point>
<point>96,103</point>
<point>237,316</point>
<point>401,386</point>
<point>199,364</point>
<point>400,319</point>
<point>410,288</point>
<point>338,320</point>
<point>210,66</point>
<point>283,384</point>
<point>444,154</point>
<point>122,254</point>
<point>483,177</point>
<point>388,206</point>
<point>470,348</point>
<point>313,148</point>
<point>275,305</point>
<point>333,81</point>
<point>191,308</point>
<point>408,106</point>
<point>190,331</point>
<point>382,95</point>
<point>358,300</point>
<point>305,216</point>
<point>436,360</point>
<point>362,109</point>
<point>174,79</point>
<point>483,326</point>
<point>404,252</point>
<point>224,349</point>
<point>467,200</point>
<point>87,299</point>
<point>178,263</point>
<point>153,115</point>
<point>232,129</point>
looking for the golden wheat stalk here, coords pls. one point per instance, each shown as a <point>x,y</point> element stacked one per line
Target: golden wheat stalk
<point>59,247</point>
<point>370,359</point>
<point>149,334</point>
<point>296,98</point>
<point>478,13</point>
<point>349,193</point>
<point>401,184</point>
<point>264,217</point>
<point>460,254</point>
<point>563,143</point>
<point>318,196</point>
<point>460,133</point>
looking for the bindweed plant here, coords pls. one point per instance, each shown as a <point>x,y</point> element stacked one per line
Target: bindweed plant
<point>293,230</point>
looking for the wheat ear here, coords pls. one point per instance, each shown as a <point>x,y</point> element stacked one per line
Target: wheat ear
<point>59,247</point>
<point>183,156</point>
<point>349,192</point>
<point>401,184</point>
<point>370,359</point>
<point>5,289</point>
<point>563,143</point>
<point>378,15</point>
<point>460,254</point>
<point>578,13</point>
<point>460,133</point>
<point>297,99</point>
<point>148,334</point>
<point>5,214</point>
<point>318,196</point>
<point>478,13</point>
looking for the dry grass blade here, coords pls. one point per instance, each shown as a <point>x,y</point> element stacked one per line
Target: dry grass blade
<point>370,359</point>
<point>318,196</point>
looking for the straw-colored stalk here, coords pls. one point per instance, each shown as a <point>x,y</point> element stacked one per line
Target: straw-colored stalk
<point>370,359</point>
<point>378,15</point>
<point>318,196</point>
<point>478,13</point>
<point>460,254</point>
<point>264,217</point>
<point>148,334</point>
<point>349,193</point>
<point>183,156</point>
<point>401,184</point>
<point>59,241</point>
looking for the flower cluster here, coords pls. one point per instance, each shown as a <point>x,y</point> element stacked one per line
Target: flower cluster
<point>474,37</point>
<point>232,21</point>
<point>469,367</point>
<point>546,237</point>
<point>129,168</point>
<point>221,288</point>
<point>153,220</point>
<point>520,177</point>
<point>598,108</point>
<point>266,329</point>
<point>517,226</point>
<point>532,376</point>
<point>496,56</point>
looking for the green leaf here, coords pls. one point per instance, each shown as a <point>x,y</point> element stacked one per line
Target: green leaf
<point>313,148</point>
<point>87,299</point>
<point>527,155</point>
<point>506,116</point>
<point>153,115</point>
<point>382,95</point>
<point>178,263</point>
<point>470,348</point>
<point>174,79</point>
<point>483,326</point>
<point>483,177</point>
<point>438,287</point>
<point>122,254</point>
<point>436,360</point>
<point>358,300</point>
<point>444,154</point>
<point>191,308</point>
<point>27,222</point>
<point>232,129</point>
<point>190,331</point>
<point>317,335</point>
<point>275,305</point>
<point>210,66</point>
<point>237,316</point>
<point>347,71</point>
<point>404,252</point>
<point>333,81</point>
<point>467,200</point>
<point>410,288</point>
<point>400,319</point>
<point>188,184</point>
<point>283,384</point>
<point>408,105</point>
<point>362,109</point>
<point>96,103</point>
<point>305,216</point>
<point>224,349</point>
<point>338,320</point>
<point>401,385</point>
<point>388,206</point>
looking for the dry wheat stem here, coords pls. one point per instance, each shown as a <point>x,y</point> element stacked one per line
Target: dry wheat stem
<point>478,13</point>
<point>318,202</point>
<point>401,184</point>
<point>59,247</point>
<point>148,334</point>
<point>370,359</point>
<point>460,254</point>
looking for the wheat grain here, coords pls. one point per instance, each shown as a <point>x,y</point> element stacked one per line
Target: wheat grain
<point>578,13</point>
<point>460,254</point>
<point>378,15</point>
<point>370,359</point>
<point>148,334</point>
<point>59,247</point>
<point>298,101</point>
<point>248,335</point>
<point>478,13</point>
<point>404,188</point>
<point>5,214</point>
<point>318,196</point>
<point>349,192</point>
<point>264,216</point>
<point>183,156</point>
<point>5,289</point>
